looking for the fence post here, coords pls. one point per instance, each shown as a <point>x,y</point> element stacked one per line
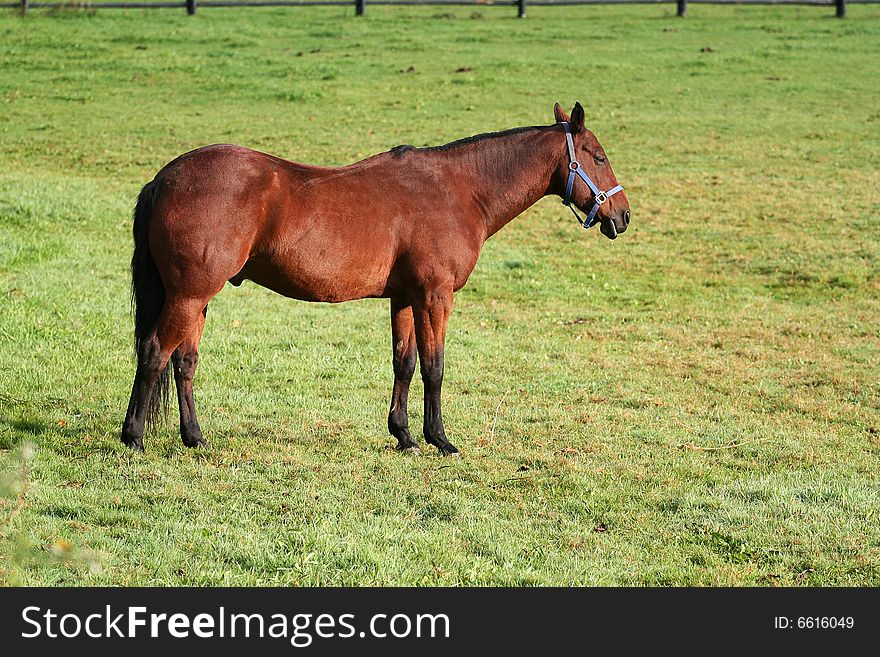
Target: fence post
<point>682,8</point>
<point>25,5</point>
<point>522,8</point>
<point>359,7</point>
<point>841,8</point>
<point>191,7</point>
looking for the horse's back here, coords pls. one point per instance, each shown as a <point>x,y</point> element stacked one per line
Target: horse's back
<point>313,233</point>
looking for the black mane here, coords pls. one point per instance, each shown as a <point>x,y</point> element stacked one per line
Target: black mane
<point>400,151</point>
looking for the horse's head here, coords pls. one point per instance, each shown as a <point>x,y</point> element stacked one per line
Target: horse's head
<point>587,178</point>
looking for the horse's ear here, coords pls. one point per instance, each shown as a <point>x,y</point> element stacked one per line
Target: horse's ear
<point>559,113</point>
<point>577,118</point>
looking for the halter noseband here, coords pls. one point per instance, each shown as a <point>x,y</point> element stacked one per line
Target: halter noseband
<point>575,169</point>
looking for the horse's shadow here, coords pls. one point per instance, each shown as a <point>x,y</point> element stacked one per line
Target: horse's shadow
<point>48,435</point>
<point>21,431</point>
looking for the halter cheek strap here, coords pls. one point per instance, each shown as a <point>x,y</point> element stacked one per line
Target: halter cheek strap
<point>575,169</point>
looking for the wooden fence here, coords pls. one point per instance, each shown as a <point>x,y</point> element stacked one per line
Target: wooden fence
<point>360,6</point>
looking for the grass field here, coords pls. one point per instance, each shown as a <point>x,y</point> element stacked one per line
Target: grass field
<point>695,403</point>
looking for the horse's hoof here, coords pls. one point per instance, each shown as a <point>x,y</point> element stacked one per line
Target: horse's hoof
<point>450,450</point>
<point>192,443</point>
<point>135,444</point>
<point>410,451</point>
<point>446,448</point>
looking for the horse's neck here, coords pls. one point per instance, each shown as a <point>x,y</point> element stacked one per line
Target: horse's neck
<point>511,173</point>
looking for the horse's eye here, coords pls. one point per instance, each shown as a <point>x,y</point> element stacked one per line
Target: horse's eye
<point>600,159</point>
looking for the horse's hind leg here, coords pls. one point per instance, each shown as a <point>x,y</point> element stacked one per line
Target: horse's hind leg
<point>174,324</point>
<point>185,359</point>
<point>403,343</point>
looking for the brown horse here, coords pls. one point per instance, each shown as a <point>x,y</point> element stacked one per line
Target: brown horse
<point>407,225</point>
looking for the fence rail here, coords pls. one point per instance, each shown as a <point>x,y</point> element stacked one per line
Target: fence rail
<point>360,5</point>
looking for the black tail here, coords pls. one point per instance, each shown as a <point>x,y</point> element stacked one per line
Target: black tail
<point>147,296</point>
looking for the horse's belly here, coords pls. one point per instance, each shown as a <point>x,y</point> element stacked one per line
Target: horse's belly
<point>317,280</point>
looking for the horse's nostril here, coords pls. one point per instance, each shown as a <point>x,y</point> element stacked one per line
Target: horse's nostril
<point>626,217</point>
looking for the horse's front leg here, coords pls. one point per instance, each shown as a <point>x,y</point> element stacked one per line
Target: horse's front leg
<point>403,344</point>
<point>431,314</point>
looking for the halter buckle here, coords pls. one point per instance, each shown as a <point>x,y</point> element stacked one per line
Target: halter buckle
<point>601,197</point>
<point>574,165</point>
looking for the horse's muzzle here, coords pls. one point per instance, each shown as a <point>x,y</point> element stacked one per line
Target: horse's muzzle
<point>612,226</point>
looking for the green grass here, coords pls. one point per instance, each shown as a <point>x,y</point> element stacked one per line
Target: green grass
<point>695,403</point>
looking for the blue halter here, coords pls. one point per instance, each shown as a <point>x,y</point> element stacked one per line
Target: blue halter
<point>599,197</point>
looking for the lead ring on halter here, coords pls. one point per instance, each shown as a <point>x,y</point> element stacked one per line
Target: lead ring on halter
<point>574,169</point>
